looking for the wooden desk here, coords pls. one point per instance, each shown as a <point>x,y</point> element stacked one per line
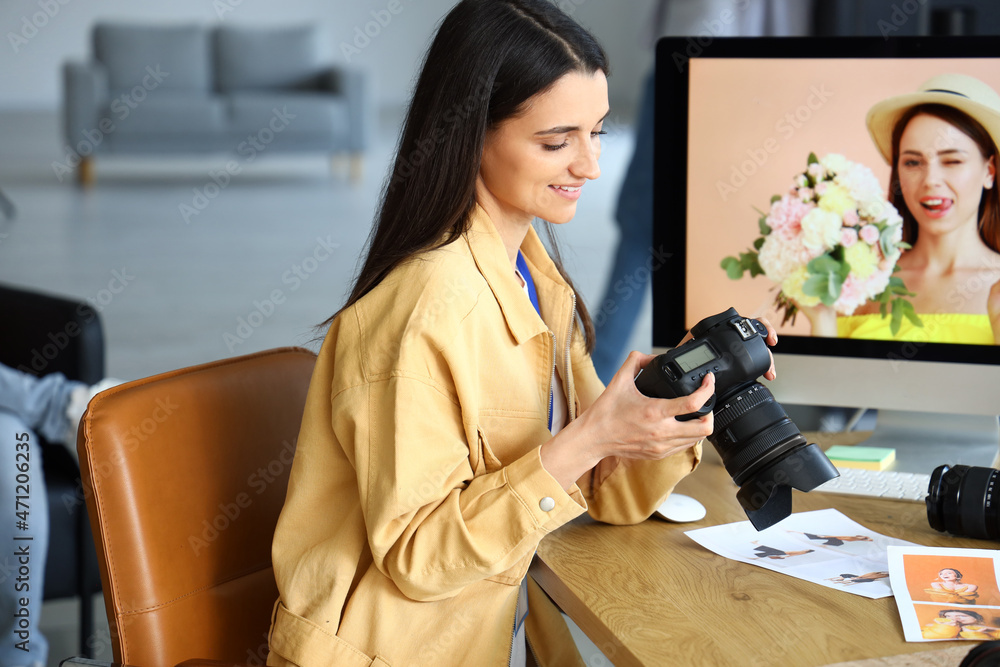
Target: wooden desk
<point>649,595</point>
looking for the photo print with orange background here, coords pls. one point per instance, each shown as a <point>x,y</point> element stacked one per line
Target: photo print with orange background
<point>957,622</point>
<point>923,570</point>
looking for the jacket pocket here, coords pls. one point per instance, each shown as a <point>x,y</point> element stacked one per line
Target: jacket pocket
<point>298,641</point>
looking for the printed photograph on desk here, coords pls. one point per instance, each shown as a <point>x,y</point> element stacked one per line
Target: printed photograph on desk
<point>824,547</point>
<point>946,594</point>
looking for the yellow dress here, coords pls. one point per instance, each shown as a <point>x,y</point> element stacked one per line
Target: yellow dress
<point>960,595</point>
<point>979,632</point>
<point>966,328</point>
<point>941,628</point>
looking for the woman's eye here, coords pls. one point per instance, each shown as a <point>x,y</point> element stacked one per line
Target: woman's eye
<point>555,147</point>
<point>597,133</point>
<point>911,163</point>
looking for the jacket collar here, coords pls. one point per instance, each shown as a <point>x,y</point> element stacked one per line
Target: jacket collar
<point>490,256</point>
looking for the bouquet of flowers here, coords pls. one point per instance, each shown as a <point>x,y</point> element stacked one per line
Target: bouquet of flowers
<point>833,239</point>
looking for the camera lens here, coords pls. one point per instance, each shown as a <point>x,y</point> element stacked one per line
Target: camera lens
<point>751,430</point>
<point>962,500</point>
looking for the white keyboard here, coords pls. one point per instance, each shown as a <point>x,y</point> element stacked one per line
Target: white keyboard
<point>879,484</point>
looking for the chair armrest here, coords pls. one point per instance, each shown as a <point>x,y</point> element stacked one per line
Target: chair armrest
<point>85,88</point>
<point>357,87</point>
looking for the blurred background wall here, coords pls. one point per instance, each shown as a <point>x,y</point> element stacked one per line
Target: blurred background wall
<point>38,35</point>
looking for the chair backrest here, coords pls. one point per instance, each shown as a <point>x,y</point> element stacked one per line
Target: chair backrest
<point>185,474</point>
<point>51,334</point>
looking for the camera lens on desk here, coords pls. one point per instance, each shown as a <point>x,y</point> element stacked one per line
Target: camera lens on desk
<point>962,500</point>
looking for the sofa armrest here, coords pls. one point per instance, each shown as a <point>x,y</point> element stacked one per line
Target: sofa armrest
<point>85,90</point>
<point>357,87</point>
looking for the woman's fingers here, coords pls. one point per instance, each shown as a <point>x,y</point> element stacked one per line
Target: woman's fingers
<point>635,362</point>
<point>771,339</point>
<point>694,401</point>
<point>772,335</point>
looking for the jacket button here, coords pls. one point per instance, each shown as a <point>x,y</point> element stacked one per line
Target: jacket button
<point>547,504</point>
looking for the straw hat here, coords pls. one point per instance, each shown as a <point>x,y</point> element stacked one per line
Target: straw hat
<point>960,91</point>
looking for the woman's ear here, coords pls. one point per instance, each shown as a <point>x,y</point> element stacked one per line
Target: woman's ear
<point>991,172</point>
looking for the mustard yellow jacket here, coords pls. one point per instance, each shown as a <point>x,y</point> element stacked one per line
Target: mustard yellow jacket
<point>414,505</point>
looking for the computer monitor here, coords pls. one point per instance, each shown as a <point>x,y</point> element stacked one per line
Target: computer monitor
<point>736,120</point>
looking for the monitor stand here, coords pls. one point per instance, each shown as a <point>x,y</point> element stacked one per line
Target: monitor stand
<point>925,440</point>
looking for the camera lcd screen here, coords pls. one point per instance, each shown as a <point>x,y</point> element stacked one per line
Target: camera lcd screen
<point>696,357</point>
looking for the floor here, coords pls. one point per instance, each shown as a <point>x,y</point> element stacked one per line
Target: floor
<point>187,266</point>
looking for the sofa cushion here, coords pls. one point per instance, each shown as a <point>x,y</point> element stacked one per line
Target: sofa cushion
<point>285,58</point>
<point>178,114</point>
<point>179,55</point>
<point>303,119</point>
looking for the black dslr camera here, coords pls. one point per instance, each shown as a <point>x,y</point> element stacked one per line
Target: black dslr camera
<point>763,450</point>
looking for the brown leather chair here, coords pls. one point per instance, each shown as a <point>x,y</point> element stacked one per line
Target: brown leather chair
<point>184,475</point>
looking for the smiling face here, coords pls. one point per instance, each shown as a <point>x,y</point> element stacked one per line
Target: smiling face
<point>961,617</point>
<point>948,575</point>
<point>536,163</point>
<point>942,174</point>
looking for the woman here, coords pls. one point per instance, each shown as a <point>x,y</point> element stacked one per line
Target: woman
<point>949,589</point>
<point>451,424</point>
<point>834,540</point>
<point>764,551</point>
<point>959,624</point>
<point>852,579</point>
<point>941,143</point>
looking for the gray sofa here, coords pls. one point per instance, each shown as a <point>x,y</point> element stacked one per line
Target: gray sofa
<point>192,89</point>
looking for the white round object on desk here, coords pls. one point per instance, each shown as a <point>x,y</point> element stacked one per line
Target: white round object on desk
<point>681,509</point>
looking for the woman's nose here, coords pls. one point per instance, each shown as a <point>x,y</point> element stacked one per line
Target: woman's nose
<point>585,165</point>
<point>935,174</point>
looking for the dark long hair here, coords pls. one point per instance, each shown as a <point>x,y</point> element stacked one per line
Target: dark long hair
<point>989,202</point>
<point>979,618</point>
<point>487,59</point>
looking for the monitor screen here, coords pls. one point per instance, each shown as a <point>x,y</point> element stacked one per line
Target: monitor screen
<point>773,197</point>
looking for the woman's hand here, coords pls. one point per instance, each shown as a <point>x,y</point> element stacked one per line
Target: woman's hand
<point>993,309</point>
<point>823,319</point>
<point>633,425</point>
<point>623,422</point>
<point>771,340</point>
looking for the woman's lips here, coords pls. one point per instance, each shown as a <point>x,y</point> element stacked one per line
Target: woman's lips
<point>570,192</point>
<point>936,207</point>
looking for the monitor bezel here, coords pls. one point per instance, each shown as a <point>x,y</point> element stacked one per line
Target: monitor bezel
<point>673,56</point>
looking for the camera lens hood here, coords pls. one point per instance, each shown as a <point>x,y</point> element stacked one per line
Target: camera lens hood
<point>766,496</point>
